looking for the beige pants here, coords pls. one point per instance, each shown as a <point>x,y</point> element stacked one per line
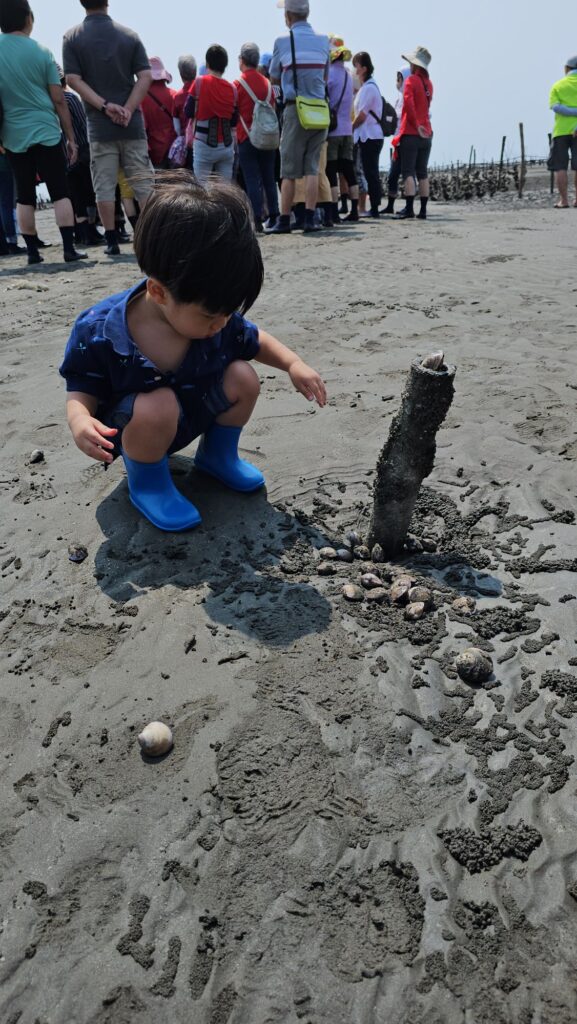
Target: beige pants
<point>324,187</point>
<point>106,158</point>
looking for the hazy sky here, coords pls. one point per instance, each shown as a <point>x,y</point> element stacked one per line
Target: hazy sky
<point>493,62</point>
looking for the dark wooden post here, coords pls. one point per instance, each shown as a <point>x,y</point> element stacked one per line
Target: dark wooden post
<point>409,453</point>
<point>523,171</point>
<point>501,160</point>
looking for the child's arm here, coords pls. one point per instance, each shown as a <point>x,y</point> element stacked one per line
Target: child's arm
<point>306,380</point>
<point>90,435</point>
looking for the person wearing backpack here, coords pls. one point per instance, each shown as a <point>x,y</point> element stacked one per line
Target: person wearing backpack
<point>212,106</point>
<point>416,134</point>
<point>367,127</point>
<point>257,134</point>
<point>158,111</point>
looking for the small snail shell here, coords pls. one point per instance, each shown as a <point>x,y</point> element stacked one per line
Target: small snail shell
<point>155,739</point>
<point>377,595</point>
<point>353,539</point>
<point>362,552</point>
<point>434,361</point>
<point>352,593</point>
<point>377,554</point>
<point>400,589</point>
<point>327,569</point>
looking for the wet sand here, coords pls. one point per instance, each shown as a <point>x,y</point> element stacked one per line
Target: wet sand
<point>344,832</point>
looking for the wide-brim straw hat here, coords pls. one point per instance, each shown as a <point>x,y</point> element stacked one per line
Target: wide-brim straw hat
<point>338,49</point>
<point>159,72</point>
<point>419,56</point>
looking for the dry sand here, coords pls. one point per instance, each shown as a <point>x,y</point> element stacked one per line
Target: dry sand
<point>344,832</point>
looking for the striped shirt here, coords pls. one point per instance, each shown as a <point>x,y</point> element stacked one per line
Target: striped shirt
<point>312,60</point>
<point>78,118</point>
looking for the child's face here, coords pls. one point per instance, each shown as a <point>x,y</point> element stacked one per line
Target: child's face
<point>189,319</point>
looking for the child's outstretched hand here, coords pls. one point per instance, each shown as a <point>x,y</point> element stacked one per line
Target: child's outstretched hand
<point>92,437</point>
<point>308,382</point>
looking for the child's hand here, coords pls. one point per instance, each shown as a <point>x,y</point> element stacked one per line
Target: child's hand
<point>308,382</point>
<point>91,437</point>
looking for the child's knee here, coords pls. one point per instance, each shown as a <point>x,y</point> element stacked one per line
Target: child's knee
<point>159,407</point>
<point>241,378</point>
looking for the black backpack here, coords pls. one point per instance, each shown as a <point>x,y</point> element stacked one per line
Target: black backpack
<point>388,119</point>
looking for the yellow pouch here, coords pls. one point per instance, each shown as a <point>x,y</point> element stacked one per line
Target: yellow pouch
<point>314,115</point>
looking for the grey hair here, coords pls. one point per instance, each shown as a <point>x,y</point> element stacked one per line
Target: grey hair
<point>250,54</point>
<point>187,68</point>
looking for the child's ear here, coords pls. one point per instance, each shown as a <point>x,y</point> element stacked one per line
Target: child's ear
<point>156,291</point>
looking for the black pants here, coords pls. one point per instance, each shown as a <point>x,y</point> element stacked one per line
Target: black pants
<point>81,188</point>
<point>370,152</point>
<point>394,175</point>
<point>344,167</point>
<point>414,153</point>
<point>48,163</point>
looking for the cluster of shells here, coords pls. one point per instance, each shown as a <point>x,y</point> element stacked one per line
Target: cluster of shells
<point>380,584</point>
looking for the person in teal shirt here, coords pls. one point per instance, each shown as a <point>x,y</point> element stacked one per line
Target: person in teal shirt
<point>563,103</point>
<point>35,114</point>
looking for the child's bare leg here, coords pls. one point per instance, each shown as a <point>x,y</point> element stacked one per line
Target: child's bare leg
<point>152,428</point>
<point>242,387</point>
<point>217,452</point>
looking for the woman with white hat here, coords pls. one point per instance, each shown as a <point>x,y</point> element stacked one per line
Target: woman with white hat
<point>415,135</point>
<point>158,110</point>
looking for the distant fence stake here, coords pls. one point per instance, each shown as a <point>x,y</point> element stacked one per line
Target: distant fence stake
<point>523,171</point>
<point>501,160</point>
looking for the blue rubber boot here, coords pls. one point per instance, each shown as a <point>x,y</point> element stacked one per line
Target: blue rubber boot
<point>217,454</point>
<point>153,493</point>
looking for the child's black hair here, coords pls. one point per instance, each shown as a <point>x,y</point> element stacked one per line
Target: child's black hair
<point>363,58</point>
<point>200,243</point>
<point>216,58</point>
<point>13,15</point>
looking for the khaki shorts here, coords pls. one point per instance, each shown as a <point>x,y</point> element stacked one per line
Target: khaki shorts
<point>132,156</point>
<point>340,148</point>
<point>300,149</point>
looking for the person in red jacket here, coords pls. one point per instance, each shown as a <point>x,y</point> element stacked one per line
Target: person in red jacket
<point>158,110</point>
<point>415,135</point>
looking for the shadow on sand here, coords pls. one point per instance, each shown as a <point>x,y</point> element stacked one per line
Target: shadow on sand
<point>231,560</point>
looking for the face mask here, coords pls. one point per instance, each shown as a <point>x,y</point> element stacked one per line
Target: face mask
<point>356,80</point>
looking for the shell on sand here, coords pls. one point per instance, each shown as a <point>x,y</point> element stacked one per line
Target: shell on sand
<point>353,593</point>
<point>353,539</point>
<point>377,554</point>
<point>377,595</point>
<point>362,552</point>
<point>369,580</point>
<point>473,665</point>
<point>344,555</point>
<point>464,605</point>
<point>415,611</point>
<point>36,456</point>
<point>327,569</point>
<point>399,592</point>
<point>156,739</point>
<point>77,552</point>
<point>329,553</point>
<point>418,595</point>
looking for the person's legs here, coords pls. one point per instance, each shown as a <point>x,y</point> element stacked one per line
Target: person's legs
<point>146,439</point>
<point>250,167</point>
<point>224,164</point>
<point>135,162</point>
<point>370,151</point>
<point>203,161</point>
<point>291,169</point>
<point>315,150</point>
<point>423,155</point>
<point>573,147</point>
<point>560,156</point>
<point>393,183</point>
<point>104,164</point>
<point>408,149</point>
<point>51,166</point>
<point>7,202</point>
<point>266,160</point>
<point>217,453</point>
<point>24,168</point>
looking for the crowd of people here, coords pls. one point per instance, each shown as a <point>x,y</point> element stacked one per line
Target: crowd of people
<point>298,128</point>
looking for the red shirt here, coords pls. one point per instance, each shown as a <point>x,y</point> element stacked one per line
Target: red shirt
<point>217,99</point>
<point>180,98</point>
<point>260,87</point>
<point>417,99</point>
<point>158,110</point>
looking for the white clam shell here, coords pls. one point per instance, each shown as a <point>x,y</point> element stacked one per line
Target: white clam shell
<point>156,739</point>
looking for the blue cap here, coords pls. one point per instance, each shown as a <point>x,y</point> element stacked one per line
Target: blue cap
<point>265,59</point>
